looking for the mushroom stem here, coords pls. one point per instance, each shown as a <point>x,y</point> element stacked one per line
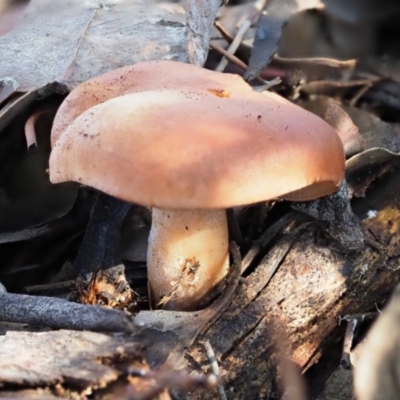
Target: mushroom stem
<point>188,256</point>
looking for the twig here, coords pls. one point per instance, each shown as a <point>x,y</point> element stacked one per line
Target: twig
<point>166,379</point>
<point>353,321</point>
<point>215,368</point>
<point>25,234</point>
<point>298,62</point>
<point>258,6</point>
<point>30,134</point>
<point>359,93</point>
<point>224,33</point>
<point>51,288</point>
<point>269,234</point>
<point>235,60</point>
<point>229,56</point>
<point>268,85</point>
<point>61,314</point>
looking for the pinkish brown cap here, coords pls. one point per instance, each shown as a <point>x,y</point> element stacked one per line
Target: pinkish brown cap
<point>209,147</point>
<point>151,75</point>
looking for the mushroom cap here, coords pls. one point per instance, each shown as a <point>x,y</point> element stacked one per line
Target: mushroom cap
<point>151,75</point>
<point>200,148</point>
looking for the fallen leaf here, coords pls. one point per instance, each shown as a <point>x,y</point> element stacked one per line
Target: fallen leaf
<point>375,132</point>
<point>353,142</point>
<point>269,31</point>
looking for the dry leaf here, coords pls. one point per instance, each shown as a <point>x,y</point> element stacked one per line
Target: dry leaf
<point>376,133</point>
<point>269,31</point>
<point>353,142</point>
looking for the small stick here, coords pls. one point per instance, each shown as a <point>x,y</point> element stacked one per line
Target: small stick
<point>258,6</point>
<point>30,134</point>
<point>224,33</point>
<point>235,60</point>
<point>62,314</point>
<point>166,379</point>
<point>53,288</point>
<point>348,343</point>
<point>364,89</point>
<point>353,321</point>
<point>215,368</point>
<point>270,233</point>
<point>268,85</point>
<point>232,58</point>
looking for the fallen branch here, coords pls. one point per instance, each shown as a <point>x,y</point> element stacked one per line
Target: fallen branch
<point>61,314</point>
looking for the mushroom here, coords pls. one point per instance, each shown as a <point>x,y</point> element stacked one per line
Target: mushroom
<point>190,153</point>
<point>108,213</point>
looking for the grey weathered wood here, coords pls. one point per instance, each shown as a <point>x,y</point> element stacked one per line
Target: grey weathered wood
<point>58,313</point>
<point>200,20</point>
<point>69,357</point>
<point>70,42</point>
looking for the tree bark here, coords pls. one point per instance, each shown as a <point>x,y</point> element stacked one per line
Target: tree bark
<point>314,286</point>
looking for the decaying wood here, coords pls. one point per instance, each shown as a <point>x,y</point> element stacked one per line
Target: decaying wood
<point>69,357</point>
<point>314,285</point>
<point>72,364</point>
<point>167,378</point>
<point>200,19</point>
